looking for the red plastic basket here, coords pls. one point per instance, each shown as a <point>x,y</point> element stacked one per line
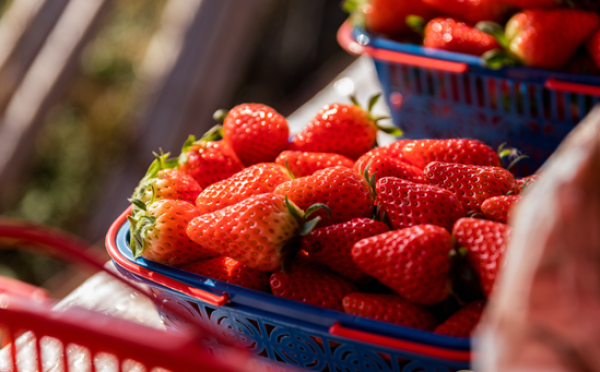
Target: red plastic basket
<point>37,338</point>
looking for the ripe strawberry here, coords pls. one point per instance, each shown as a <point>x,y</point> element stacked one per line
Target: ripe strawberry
<point>158,232</point>
<point>529,4</point>
<point>463,322</point>
<point>471,11</point>
<point>208,162</point>
<point>486,243</point>
<point>230,271</point>
<point>387,16</point>
<point>331,245</point>
<point>342,129</point>
<point>257,179</point>
<point>256,133</point>
<point>389,308</point>
<point>472,184</point>
<point>385,166</point>
<point>163,181</point>
<point>254,231</point>
<point>497,208</point>
<point>345,193</point>
<point>312,286</point>
<point>408,204</point>
<point>302,164</point>
<point>414,261</point>
<point>548,38</point>
<point>526,182</point>
<point>463,151</point>
<point>593,47</point>
<point>448,34</point>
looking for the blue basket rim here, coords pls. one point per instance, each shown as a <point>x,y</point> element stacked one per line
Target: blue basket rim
<point>293,311</point>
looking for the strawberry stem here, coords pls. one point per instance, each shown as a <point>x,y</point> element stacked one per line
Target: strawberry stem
<point>287,167</point>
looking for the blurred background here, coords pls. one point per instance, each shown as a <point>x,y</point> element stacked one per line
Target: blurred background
<point>89,88</point>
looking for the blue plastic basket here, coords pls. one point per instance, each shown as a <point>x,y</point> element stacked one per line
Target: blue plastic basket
<point>438,94</point>
<point>287,331</point>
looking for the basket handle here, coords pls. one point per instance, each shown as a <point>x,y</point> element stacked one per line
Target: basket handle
<point>113,251</point>
<point>347,42</point>
<point>555,84</point>
<point>72,249</point>
<point>393,343</point>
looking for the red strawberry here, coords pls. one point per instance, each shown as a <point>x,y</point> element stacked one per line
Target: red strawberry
<point>254,231</point>
<point>472,184</point>
<point>342,129</point>
<point>345,193</point>
<point>208,162</point>
<point>387,16</point>
<point>548,38</point>
<point>463,322</point>
<point>257,179</point>
<point>529,4</point>
<point>526,182</point>
<point>303,164</point>
<point>593,47</point>
<point>471,11</point>
<point>312,286</point>
<point>414,261</point>
<point>229,270</point>
<point>386,166</point>
<point>464,151</point>
<point>408,204</point>
<point>389,308</point>
<point>158,232</point>
<point>448,34</point>
<point>497,208</point>
<point>331,245</point>
<point>162,181</point>
<point>255,132</point>
<point>486,243</point>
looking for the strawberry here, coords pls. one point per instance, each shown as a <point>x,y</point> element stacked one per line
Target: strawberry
<point>548,38</point>
<point>302,164</point>
<point>256,133</point>
<point>529,4</point>
<point>158,232</point>
<point>254,180</point>
<point>593,47</point>
<point>207,161</point>
<point>471,11</point>
<point>230,271</point>
<point>385,166</point>
<point>526,182</point>
<point>414,261</point>
<point>342,129</point>
<point>497,208</point>
<point>485,242</point>
<point>464,151</point>
<point>331,245</point>
<point>389,308</point>
<point>387,16</point>
<point>163,181</point>
<point>312,286</point>
<point>472,184</point>
<point>463,322</point>
<point>255,231</point>
<point>449,34</point>
<point>408,204</point>
<point>345,193</point>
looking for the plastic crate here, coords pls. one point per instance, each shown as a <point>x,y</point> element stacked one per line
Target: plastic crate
<point>287,331</point>
<point>438,94</point>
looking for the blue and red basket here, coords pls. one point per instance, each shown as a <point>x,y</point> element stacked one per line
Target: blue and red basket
<point>439,94</point>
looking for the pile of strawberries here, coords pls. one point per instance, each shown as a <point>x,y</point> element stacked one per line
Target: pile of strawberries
<point>411,233</point>
<point>549,34</point>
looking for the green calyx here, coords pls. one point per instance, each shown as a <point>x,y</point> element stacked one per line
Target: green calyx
<point>375,119</point>
<point>306,225</point>
<point>289,172</point>
<point>416,23</point>
<point>509,156</point>
<point>498,58</point>
<point>213,134</point>
<point>160,162</point>
<point>355,9</point>
<point>140,223</point>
